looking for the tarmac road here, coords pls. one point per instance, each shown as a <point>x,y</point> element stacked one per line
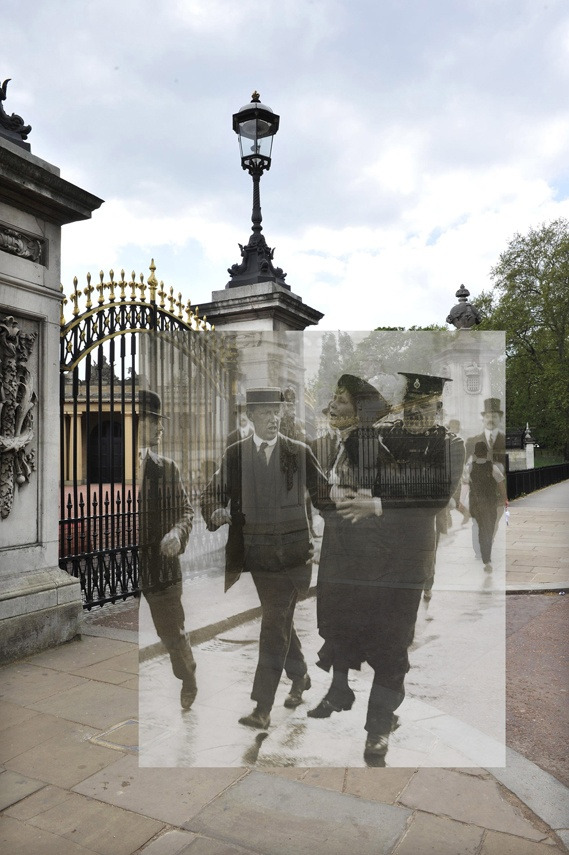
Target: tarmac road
<point>537,679</point>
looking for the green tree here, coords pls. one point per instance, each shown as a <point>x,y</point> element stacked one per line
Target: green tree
<point>530,301</point>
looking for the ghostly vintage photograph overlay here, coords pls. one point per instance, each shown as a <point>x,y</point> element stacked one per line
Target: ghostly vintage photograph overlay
<point>322,549</point>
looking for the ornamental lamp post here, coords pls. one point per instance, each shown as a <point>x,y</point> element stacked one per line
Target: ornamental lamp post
<point>256,124</point>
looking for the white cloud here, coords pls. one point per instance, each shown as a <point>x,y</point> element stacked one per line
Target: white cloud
<point>415,139</point>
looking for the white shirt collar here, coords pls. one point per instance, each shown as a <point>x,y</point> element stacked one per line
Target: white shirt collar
<point>258,441</point>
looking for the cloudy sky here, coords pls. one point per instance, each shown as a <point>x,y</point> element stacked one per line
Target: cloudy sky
<point>416,138</point>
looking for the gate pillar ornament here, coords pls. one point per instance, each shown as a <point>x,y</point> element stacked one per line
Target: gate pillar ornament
<point>17,401</point>
<point>40,604</point>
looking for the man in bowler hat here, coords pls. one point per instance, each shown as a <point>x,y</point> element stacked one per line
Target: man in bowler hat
<point>260,491</point>
<point>165,522</point>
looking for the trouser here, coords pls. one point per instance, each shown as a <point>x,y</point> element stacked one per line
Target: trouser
<point>389,659</point>
<point>486,523</point>
<point>168,618</point>
<point>279,645</point>
<point>476,535</point>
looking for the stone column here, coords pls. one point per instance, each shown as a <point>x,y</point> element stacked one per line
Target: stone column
<point>40,604</point>
<point>529,445</point>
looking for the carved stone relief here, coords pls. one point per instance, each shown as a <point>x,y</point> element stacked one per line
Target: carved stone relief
<point>473,379</point>
<point>23,245</point>
<point>17,401</point>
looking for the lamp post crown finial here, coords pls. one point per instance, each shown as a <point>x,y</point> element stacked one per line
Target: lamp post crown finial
<point>255,97</point>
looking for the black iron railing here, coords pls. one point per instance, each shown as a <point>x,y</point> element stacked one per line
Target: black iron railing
<point>526,481</point>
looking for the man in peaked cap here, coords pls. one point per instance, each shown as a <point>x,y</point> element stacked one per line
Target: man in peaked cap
<point>427,466</point>
<point>260,491</point>
<point>165,522</point>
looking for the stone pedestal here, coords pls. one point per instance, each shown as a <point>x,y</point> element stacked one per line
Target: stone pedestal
<point>40,604</point>
<point>260,315</point>
<point>263,306</point>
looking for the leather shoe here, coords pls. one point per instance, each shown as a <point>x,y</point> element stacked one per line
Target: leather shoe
<point>299,685</point>
<point>259,718</point>
<point>333,702</point>
<point>376,745</point>
<point>188,695</point>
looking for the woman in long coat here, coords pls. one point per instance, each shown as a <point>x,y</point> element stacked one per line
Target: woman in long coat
<point>376,556</point>
<point>351,547</point>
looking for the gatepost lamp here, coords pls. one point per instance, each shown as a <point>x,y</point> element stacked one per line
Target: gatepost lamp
<point>256,125</point>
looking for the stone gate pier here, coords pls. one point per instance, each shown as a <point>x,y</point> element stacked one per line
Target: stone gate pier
<point>40,604</point>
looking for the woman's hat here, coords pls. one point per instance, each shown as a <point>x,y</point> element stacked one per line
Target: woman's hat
<point>376,407</point>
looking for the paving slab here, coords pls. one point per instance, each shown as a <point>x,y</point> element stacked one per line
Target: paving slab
<point>25,683</point>
<point>38,802</point>
<point>172,842</point>
<point>381,785</point>
<point>80,653</point>
<point>31,732</point>
<point>539,790</point>
<point>15,787</point>
<point>170,795</point>
<point>92,703</point>
<point>207,846</point>
<point>18,838</point>
<point>65,759</point>
<point>117,669</point>
<point>467,799</point>
<point>496,843</point>
<point>275,816</point>
<point>436,835</point>
<point>11,714</point>
<point>99,827</point>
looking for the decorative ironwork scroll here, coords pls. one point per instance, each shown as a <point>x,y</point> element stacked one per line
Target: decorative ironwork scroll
<point>23,245</point>
<point>17,400</point>
<point>119,337</point>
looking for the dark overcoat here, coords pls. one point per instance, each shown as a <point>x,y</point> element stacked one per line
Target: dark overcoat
<point>498,451</point>
<point>164,507</point>
<point>362,564</point>
<point>269,530</point>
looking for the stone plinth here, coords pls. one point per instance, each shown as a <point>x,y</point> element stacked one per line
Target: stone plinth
<point>40,604</point>
<point>263,306</point>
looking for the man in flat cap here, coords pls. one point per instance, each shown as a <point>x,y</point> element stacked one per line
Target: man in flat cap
<point>427,466</point>
<point>260,491</point>
<point>165,522</point>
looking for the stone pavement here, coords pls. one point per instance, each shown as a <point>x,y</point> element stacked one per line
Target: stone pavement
<point>70,780</point>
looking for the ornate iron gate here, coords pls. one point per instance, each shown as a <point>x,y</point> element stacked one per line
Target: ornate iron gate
<point>133,335</point>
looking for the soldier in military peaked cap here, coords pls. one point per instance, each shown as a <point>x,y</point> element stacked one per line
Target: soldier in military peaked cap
<point>414,484</point>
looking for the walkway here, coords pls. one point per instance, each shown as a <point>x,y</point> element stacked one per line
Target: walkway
<point>71,783</point>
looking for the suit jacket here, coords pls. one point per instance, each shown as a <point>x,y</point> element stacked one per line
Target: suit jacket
<point>164,507</point>
<point>269,527</point>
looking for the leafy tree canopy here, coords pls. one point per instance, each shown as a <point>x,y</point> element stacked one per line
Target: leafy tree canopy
<point>530,301</point>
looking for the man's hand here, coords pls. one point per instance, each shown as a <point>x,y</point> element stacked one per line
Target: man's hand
<point>220,516</point>
<point>358,506</point>
<point>171,545</point>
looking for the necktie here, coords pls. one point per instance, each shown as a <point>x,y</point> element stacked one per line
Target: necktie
<point>491,442</point>
<point>263,453</point>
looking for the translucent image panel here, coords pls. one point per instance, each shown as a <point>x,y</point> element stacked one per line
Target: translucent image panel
<point>347,498</point>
